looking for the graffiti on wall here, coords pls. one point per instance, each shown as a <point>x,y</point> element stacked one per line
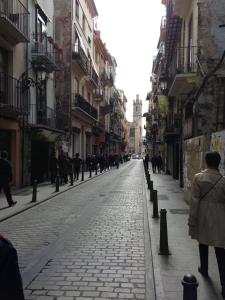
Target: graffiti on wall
<point>218,144</point>
<point>194,150</point>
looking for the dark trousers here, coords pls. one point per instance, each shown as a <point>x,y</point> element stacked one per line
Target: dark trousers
<point>7,191</point>
<point>220,256</point>
<point>76,173</point>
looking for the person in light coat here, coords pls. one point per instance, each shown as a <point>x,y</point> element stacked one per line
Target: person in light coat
<point>207,214</point>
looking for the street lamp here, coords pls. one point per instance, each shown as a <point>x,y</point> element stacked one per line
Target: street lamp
<point>163,84</point>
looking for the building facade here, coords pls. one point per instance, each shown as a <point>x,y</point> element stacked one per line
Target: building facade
<point>14,36</point>
<point>188,85</point>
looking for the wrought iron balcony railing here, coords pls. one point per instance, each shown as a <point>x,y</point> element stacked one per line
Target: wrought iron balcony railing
<point>184,61</point>
<point>43,54</point>
<point>48,117</point>
<point>14,19</point>
<point>12,97</point>
<point>81,103</point>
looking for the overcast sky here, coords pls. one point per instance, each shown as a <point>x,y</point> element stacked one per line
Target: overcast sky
<point>130,29</point>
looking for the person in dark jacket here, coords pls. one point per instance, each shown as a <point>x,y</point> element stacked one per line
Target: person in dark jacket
<point>146,160</point>
<point>11,287</point>
<point>6,177</point>
<point>159,163</point>
<point>53,164</point>
<point>76,166</point>
<point>154,163</point>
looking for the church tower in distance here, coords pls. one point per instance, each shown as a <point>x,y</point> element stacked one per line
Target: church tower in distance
<point>135,128</point>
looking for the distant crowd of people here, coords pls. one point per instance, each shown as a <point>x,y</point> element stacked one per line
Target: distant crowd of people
<point>156,161</point>
<point>70,168</point>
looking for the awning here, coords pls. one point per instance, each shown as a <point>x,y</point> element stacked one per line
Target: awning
<point>40,3</point>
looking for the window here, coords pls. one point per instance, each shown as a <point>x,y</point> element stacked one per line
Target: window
<point>190,44</point>
<point>84,23</point>
<point>132,132</point>
<point>77,9</point>
<point>41,25</point>
<point>89,97</point>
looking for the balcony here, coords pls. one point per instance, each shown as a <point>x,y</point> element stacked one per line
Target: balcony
<point>13,101</point>
<point>46,117</point>
<point>43,55</point>
<point>98,94</point>
<point>79,103</point>
<point>182,71</point>
<point>14,19</point>
<point>79,56</point>
<point>107,78</point>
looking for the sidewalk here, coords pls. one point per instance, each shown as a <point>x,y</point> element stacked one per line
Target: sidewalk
<point>169,270</point>
<point>45,191</point>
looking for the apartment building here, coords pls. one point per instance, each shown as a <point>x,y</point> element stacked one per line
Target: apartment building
<point>14,36</point>
<point>188,85</point>
<point>45,123</point>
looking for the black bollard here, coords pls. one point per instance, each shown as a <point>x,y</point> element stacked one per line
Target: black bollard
<point>34,194</point>
<point>163,248</point>
<point>151,184</point>
<point>57,184</point>
<point>155,204</point>
<point>148,183</point>
<point>151,194</point>
<point>190,285</point>
<point>82,171</point>
<point>96,170</point>
<point>90,173</point>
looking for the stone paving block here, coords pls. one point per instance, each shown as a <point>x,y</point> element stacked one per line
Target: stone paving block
<point>91,294</point>
<point>109,295</point>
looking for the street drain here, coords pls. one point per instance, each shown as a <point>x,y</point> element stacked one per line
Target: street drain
<point>162,197</point>
<point>179,211</point>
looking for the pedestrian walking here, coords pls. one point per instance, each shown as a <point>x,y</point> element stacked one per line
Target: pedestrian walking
<point>88,162</point>
<point>146,160</point>
<point>153,161</point>
<point>69,163</point>
<point>6,177</point>
<point>159,163</point>
<point>53,165</point>
<point>102,163</point>
<point>11,287</point>
<point>76,166</point>
<point>207,214</point>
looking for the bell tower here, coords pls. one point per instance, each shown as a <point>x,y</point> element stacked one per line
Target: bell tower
<point>137,120</point>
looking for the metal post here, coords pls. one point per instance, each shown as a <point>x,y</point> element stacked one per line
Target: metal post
<point>82,174</point>
<point>34,194</point>
<point>57,184</point>
<point>155,204</point>
<point>190,285</point>
<point>163,249</point>
<point>90,172</point>
<point>96,170</point>
<point>151,184</point>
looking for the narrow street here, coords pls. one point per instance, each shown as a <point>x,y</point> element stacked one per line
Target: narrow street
<point>91,242</point>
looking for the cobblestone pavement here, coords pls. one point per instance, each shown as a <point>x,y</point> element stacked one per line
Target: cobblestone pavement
<point>91,242</point>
